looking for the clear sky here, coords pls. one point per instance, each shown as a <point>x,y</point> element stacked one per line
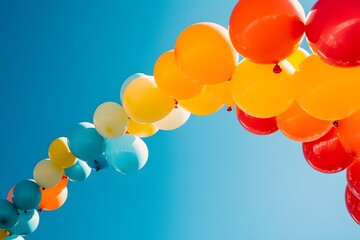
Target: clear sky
<point>209,179</point>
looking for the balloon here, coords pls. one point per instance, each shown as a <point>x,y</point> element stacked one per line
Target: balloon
<point>60,154</point>
<point>353,177</point>
<point>127,153</point>
<point>333,31</point>
<point>28,223</point>
<point>266,31</point>
<point>203,51</point>
<point>326,154</point>
<point>14,237</point>
<point>172,81</point>
<point>54,197</point>
<point>99,163</point>
<point>85,142</point>
<point>261,93</point>
<point>144,102</point>
<point>176,118</point>
<point>298,125</point>
<point>26,195</point>
<point>3,234</point>
<point>47,174</point>
<point>142,130</point>
<point>349,133</point>
<point>127,82</point>
<point>202,104</point>
<point>297,57</point>
<point>352,205</point>
<point>8,214</point>
<point>78,172</point>
<point>327,92</point>
<point>221,92</point>
<point>260,126</point>
<point>9,195</point>
<point>110,120</point>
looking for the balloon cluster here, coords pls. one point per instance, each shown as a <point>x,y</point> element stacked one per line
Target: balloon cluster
<point>312,99</point>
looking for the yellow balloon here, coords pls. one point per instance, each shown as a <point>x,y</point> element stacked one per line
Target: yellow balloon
<point>325,91</point>
<point>172,81</point>
<point>204,52</point>
<point>297,57</point>
<point>142,130</point>
<point>3,234</point>
<point>221,92</point>
<point>144,102</point>
<point>60,154</point>
<point>47,174</point>
<point>110,120</point>
<point>260,92</point>
<point>203,104</point>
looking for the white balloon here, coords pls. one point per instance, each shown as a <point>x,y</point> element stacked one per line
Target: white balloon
<point>46,174</point>
<point>175,119</point>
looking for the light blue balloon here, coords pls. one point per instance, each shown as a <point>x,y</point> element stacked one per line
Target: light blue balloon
<point>78,172</point>
<point>127,82</point>
<point>99,163</point>
<point>14,237</point>
<point>8,214</point>
<point>85,142</point>
<point>127,154</point>
<point>26,195</point>
<point>28,223</point>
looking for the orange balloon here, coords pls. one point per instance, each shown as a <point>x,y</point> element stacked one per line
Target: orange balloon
<point>204,52</point>
<point>172,81</point>
<point>221,92</point>
<point>9,195</point>
<point>141,130</point>
<point>298,125</point>
<point>349,133</point>
<point>266,31</point>
<point>54,197</point>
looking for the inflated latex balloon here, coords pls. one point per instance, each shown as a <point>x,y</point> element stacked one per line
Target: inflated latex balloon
<point>349,133</point>
<point>8,214</point>
<point>352,204</point>
<point>202,104</point>
<point>99,163</point>
<point>60,154</point>
<point>28,223</point>
<point>128,81</point>
<point>85,142</point>
<point>3,234</point>
<point>266,31</point>
<point>204,52</point>
<point>259,126</point>
<point>127,154</point>
<point>110,120</point>
<point>54,197</point>
<point>176,118</point>
<point>326,154</point>
<point>297,57</point>
<point>353,177</point>
<point>26,195</point>
<point>46,174</point>
<point>78,172</point>
<point>144,102</point>
<point>333,31</point>
<point>172,81</point>
<point>14,237</point>
<point>327,92</point>
<point>9,195</point>
<point>260,92</point>
<point>221,92</point>
<point>142,129</point>
<point>298,125</point>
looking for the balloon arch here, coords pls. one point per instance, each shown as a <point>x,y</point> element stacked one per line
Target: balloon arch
<point>311,98</point>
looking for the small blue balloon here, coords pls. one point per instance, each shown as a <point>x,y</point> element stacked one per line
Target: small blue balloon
<point>99,163</point>
<point>78,172</point>
<point>26,195</point>
<point>85,142</point>
<point>8,214</point>
<point>127,153</point>
<point>127,82</point>
<point>28,223</point>
<point>14,237</point>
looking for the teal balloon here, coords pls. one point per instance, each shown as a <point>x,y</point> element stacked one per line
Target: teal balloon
<point>78,172</point>
<point>26,195</point>
<point>8,214</point>
<point>127,82</point>
<point>127,154</point>
<point>99,163</point>
<point>85,142</point>
<point>28,223</point>
<point>14,237</point>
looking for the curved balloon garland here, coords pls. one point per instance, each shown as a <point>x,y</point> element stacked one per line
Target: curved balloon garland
<point>312,99</point>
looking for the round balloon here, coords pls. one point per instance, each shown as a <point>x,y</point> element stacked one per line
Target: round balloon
<point>46,174</point>
<point>176,118</point>
<point>349,133</point>
<point>352,204</point>
<point>54,197</point>
<point>142,129</point>
<point>353,178</point>
<point>128,81</point>
<point>60,154</point>
<point>28,223</point>
<point>78,172</point>
<point>26,195</point>
<point>8,214</point>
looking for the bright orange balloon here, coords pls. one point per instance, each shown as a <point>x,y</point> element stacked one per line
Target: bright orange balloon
<point>325,91</point>
<point>349,133</point>
<point>221,92</point>
<point>54,197</point>
<point>204,52</point>
<point>298,125</point>
<point>172,81</point>
<point>267,31</point>
<point>141,130</point>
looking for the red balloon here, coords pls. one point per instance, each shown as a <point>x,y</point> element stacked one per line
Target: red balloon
<point>326,154</point>
<point>333,31</point>
<point>260,126</point>
<point>353,178</point>
<point>352,204</point>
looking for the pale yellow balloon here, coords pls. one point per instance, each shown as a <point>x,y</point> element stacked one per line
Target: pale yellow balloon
<point>221,92</point>
<point>110,120</point>
<point>144,102</point>
<point>176,118</point>
<point>141,130</point>
<point>47,174</point>
<point>202,104</point>
<point>60,154</point>
<point>297,57</point>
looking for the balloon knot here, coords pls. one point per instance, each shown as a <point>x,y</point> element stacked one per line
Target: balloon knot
<point>63,177</point>
<point>40,210</point>
<point>229,109</point>
<point>97,169</point>
<point>43,188</point>
<point>176,104</point>
<point>336,123</point>
<point>277,69</point>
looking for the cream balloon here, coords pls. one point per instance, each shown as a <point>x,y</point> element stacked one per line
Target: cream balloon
<point>46,174</point>
<point>176,118</point>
